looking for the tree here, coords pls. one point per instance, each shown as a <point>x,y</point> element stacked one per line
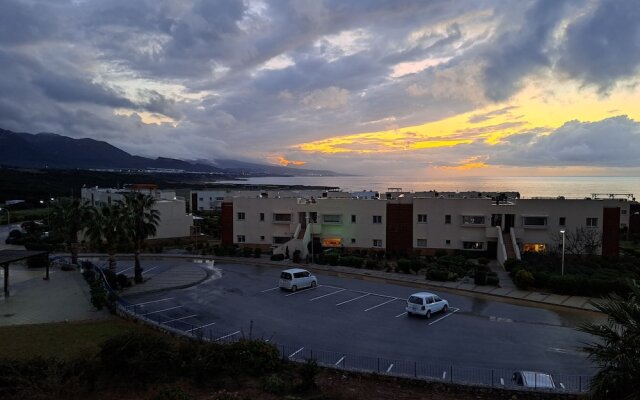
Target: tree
<point>617,349</point>
<point>580,241</point>
<point>68,217</point>
<point>107,226</point>
<point>142,222</point>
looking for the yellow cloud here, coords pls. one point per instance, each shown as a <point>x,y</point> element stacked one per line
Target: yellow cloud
<point>541,107</point>
<point>283,161</point>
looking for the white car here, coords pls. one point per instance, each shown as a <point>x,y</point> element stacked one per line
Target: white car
<point>532,379</point>
<point>296,278</point>
<point>425,303</point>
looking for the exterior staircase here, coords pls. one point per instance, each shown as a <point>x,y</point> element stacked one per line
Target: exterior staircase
<point>508,245</point>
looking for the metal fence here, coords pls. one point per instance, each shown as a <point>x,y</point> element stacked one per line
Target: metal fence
<point>440,372</point>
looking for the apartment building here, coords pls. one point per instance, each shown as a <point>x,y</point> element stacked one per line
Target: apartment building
<point>499,225</point>
<point>174,221</point>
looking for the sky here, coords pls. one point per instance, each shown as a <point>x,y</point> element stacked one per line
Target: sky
<point>414,88</point>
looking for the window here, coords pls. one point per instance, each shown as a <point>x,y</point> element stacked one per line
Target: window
<point>592,222</point>
<point>240,239</point>
<point>282,218</point>
<point>377,219</point>
<point>562,221</point>
<point>261,237</point>
<point>201,198</point>
<point>261,216</point>
<point>210,198</point>
<point>353,218</point>
<point>534,221</point>
<point>422,218</point>
<point>447,241</point>
<point>472,245</point>
<point>473,219</point>
<point>220,198</point>
<point>534,247</point>
<point>623,212</point>
<point>353,240</point>
<point>422,242</point>
<point>447,219</point>
<point>280,239</point>
<point>331,218</point>
<point>377,242</point>
<point>241,216</point>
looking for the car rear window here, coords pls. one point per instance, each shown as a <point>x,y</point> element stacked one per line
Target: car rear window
<point>285,275</point>
<point>415,300</point>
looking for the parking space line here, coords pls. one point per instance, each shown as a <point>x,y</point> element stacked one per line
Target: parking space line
<point>200,327</point>
<point>329,286</point>
<point>150,269</point>
<point>149,302</point>
<point>348,301</point>
<point>400,315</point>
<point>124,270</point>
<point>179,319</point>
<point>340,360</point>
<point>325,295</point>
<point>389,369</point>
<point>159,311</point>
<point>455,310</point>
<point>444,374</point>
<point>381,304</point>
<point>296,352</point>
<point>226,336</point>
<point>268,290</point>
<point>300,291</point>
<point>502,381</point>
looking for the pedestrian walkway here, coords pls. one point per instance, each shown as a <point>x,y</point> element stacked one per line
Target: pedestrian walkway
<point>33,300</point>
<point>178,277</point>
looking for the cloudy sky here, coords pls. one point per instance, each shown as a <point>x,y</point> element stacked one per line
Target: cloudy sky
<point>426,88</point>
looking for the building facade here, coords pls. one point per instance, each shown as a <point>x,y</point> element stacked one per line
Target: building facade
<point>501,226</point>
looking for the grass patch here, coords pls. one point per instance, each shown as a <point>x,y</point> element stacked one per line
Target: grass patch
<point>61,340</point>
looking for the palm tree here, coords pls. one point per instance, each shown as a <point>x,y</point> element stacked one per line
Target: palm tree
<point>617,350</point>
<point>107,226</point>
<point>142,222</point>
<point>68,217</point>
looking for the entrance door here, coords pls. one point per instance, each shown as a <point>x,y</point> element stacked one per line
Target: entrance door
<point>509,222</point>
<point>492,249</point>
<point>302,217</point>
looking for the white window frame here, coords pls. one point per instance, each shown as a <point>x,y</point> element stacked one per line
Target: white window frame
<point>377,219</point>
<point>240,216</point>
<point>592,222</point>
<point>421,243</point>
<point>241,239</point>
<point>377,243</point>
<point>422,218</point>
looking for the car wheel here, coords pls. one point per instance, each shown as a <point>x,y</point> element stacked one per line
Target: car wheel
<point>409,314</point>
<point>428,314</point>
<point>445,308</point>
<point>313,284</point>
<point>294,288</point>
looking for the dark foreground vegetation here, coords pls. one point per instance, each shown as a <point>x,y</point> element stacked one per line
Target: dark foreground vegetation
<point>119,360</point>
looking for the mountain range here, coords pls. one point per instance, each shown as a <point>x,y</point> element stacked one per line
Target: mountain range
<point>50,150</point>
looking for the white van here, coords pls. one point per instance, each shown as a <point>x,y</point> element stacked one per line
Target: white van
<point>532,379</point>
<point>425,303</point>
<point>296,278</point>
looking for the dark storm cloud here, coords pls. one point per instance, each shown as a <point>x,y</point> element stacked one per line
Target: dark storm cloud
<point>604,45</point>
<point>518,53</point>
<point>22,22</point>
<point>68,89</point>
<point>613,142</point>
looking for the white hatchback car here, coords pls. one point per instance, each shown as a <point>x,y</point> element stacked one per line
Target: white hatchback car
<point>424,303</point>
<point>296,278</point>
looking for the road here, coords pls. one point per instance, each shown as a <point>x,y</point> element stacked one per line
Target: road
<point>359,317</point>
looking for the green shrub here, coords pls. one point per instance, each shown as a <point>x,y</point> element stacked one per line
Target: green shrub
<point>404,266</point>
<point>219,251</point>
<point>138,359</point>
<point>296,256</point>
<point>523,279</point>
<point>440,253</point>
<point>275,384</point>
<point>480,278</point>
<point>204,363</point>
<point>308,372</point>
<point>247,252</point>
<point>172,393</point>
<point>511,263</point>
<point>493,280</point>
<point>435,274</point>
<point>541,279</point>
<point>98,294</point>
<point>277,257</point>
<point>257,252</point>
<point>371,264</point>
<point>331,259</point>
<point>483,261</point>
<point>350,261</point>
<point>253,358</point>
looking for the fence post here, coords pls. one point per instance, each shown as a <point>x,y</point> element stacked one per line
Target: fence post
<point>451,373</point>
<point>344,361</point>
<point>283,353</point>
<point>415,369</point>
<point>378,364</point>
<point>491,378</point>
<point>580,383</point>
<point>311,352</point>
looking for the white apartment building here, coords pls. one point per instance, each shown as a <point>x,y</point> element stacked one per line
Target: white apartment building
<point>422,222</point>
<point>209,200</point>
<point>174,221</point>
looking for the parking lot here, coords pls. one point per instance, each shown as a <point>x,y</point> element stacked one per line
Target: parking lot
<point>345,317</point>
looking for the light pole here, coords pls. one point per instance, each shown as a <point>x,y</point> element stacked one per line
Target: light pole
<point>48,211</point>
<point>8,215</point>
<point>562,231</point>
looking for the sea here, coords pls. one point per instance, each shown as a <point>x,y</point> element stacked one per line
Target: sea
<point>528,187</point>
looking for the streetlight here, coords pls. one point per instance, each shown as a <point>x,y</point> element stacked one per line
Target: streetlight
<point>562,231</point>
<point>48,213</point>
<point>8,215</point>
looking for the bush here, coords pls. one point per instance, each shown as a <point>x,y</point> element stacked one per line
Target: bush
<point>38,261</point>
<point>523,279</point>
<point>493,280</point>
<point>253,358</point>
<point>483,261</point>
<point>275,384</point>
<point>331,259</point>
<point>512,263</point>
<point>480,278</point>
<point>404,266</point>
<point>98,294</point>
<point>172,393</point>
<point>138,358</point>
<point>257,252</point>
<point>349,261</point>
<point>308,373</point>
<point>123,281</point>
<point>435,274</point>
<point>296,256</point>
<point>277,257</point>
<point>440,253</point>
<point>371,264</point>
<point>247,252</point>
